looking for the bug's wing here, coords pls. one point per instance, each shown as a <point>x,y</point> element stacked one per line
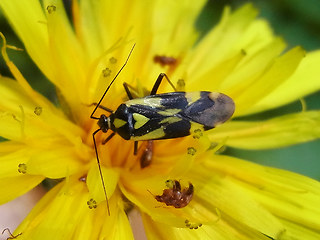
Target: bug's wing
<point>208,108</point>
<point>157,123</point>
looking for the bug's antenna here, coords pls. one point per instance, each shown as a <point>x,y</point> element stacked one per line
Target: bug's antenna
<point>98,161</point>
<point>105,92</point>
<point>95,132</point>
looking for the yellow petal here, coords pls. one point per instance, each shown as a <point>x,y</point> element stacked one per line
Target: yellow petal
<point>13,187</point>
<point>219,40</point>
<point>55,163</point>
<point>304,81</point>
<point>63,213</point>
<point>29,22</point>
<point>253,89</point>
<point>220,193</point>
<point>287,195</point>
<point>277,132</point>
<point>94,182</point>
<point>97,224</point>
<point>13,182</point>
<point>67,55</point>
<point>221,230</point>
<point>296,231</point>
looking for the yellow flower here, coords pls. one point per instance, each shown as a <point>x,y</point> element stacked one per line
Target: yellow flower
<point>232,198</point>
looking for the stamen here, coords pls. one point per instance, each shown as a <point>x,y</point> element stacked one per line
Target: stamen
<point>197,133</point>
<point>181,85</point>
<point>192,225</point>
<point>106,72</point>
<point>22,168</point>
<point>51,8</point>
<point>113,60</point>
<point>192,151</point>
<point>37,111</point>
<point>92,203</point>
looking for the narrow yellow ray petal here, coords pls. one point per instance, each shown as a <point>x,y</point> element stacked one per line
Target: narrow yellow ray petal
<point>253,66</point>
<point>56,163</point>
<point>218,192</point>
<point>303,82</point>
<point>94,182</point>
<point>19,77</point>
<point>97,224</point>
<point>28,20</point>
<point>279,71</point>
<point>13,187</point>
<point>46,220</point>
<point>296,231</point>
<point>285,194</point>
<point>277,132</point>
<point>220,230</point>
<point>67,56</point>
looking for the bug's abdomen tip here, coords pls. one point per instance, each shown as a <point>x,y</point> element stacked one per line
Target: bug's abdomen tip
<point>224,107</point>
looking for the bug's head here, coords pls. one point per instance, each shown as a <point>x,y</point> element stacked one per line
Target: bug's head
<point>104,123</point>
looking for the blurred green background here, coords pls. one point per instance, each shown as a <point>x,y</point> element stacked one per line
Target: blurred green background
<point>297,21</point>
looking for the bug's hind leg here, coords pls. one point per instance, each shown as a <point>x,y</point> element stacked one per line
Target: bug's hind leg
<point>135,150</point>
<point>100,106</point>
<point>158,82</point>
<point>126,88</point>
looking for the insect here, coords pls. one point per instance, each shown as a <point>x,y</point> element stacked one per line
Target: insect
<point>11,235</point>
<point>164,60</point>
<point>147,153</point>
<point>176,197</point>
<point>161,116</point>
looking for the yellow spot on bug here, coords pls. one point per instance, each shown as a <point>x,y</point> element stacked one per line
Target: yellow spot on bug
<point>169,112</point>
<point>37,111</point>
<point>151,102</point>
<point>92,203</point>
<point>140,120</point>
<point>170,120</point>
<point>192,97</point>
<point>156,134</point>
<point>51,8</point>
<point>22,168</point>
<point>118,122</point>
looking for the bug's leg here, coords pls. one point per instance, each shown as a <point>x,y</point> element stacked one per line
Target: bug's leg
<point>98,161</point>
<point>135,150</point>
<point>108,138</point>
<point>11,235</point>
<point>158,81</point>
<point>126,88</point>
<point>100,106</point>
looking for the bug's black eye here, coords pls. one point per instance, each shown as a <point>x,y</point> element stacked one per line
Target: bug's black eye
<point>103,123</point>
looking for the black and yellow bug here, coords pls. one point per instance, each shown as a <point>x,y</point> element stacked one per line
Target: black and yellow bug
<point>162,116</point>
